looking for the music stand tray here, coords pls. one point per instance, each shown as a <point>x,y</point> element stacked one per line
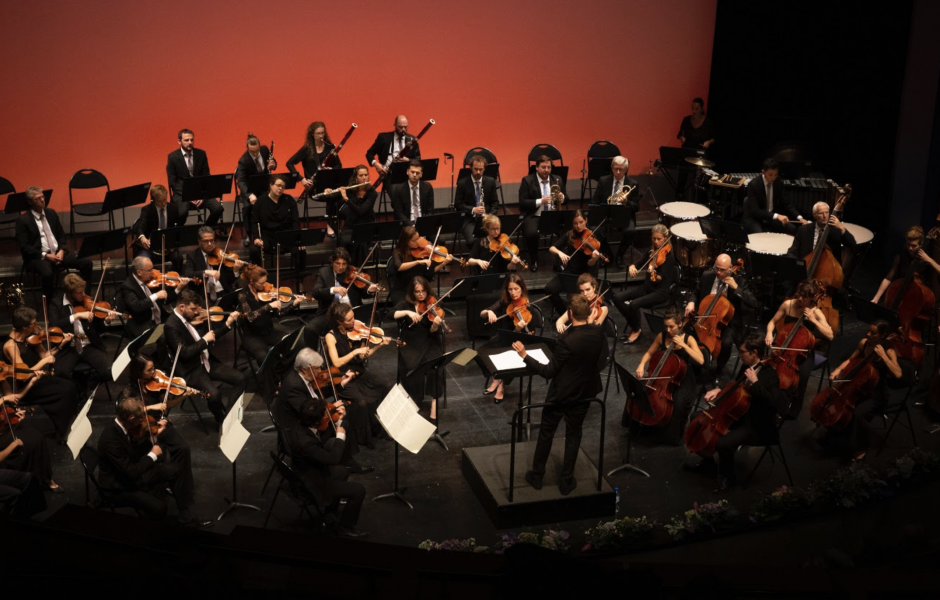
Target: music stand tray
<point>728,232</point>
<point>176,237</point>
<point>259,183</point>
<point>477,284</point>
<point>99,243</point>
<point>617,215</point>
<point>491,170</point>
<point>376,231</point>
<point>553,222</point>
<point>299,237</point>
<point>449,222</point>
<point>210,186</point>
<point>132,195</point>
<point>332,179</point>
<point>16,203</point>
<point>599,167</point>
<point>429,169</point>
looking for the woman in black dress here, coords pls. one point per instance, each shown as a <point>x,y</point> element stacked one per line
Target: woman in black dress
<point>259,329</point>
<point>317,146</point>
<point>912,259</point>
<point>573,262</point>
<point>588,287</point>
<point>688,351</point>
<point>403,267</point>
<point>275,213</point>
<point>32,455</point>
<point>55,395</point>
<point>423,342</point>
<point>483,259</point>
<point>358,206</point>
<point>654,291</point>
<point>696,131</point>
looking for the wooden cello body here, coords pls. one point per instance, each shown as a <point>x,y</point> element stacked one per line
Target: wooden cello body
<point>715,313</point>
<point>914,304</point>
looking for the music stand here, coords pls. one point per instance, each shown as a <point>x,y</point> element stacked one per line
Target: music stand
<point>490,170</point>
<point>99,243</point>
<point>636,395</point>
<point>259,183</point>
<point>433,366</point>
<point>132,195</point>
<point>324,179</point>
<point>17,203</point>
<point>867,311</point>
<point>474,286</point>
<point>508,222</point>
<point>485,361</point>
<point>655,323</point>
<point>671,156</point>
<point>176,237</point>
<point>553,222</point>
<point>209,186</point>
<point>377,231</point>
<point>727,232</point>
<point>450,223</point>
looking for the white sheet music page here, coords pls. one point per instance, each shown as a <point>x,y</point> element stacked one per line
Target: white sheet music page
<point>398,415</point>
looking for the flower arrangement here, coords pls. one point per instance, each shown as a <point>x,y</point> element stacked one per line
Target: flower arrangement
<point>853,486</point>
<point>916,463</point>
<point>702,519</point>
<point>453,545</point>
<point>621,533</point>
<point>551,539</point>
<point>781,502</point>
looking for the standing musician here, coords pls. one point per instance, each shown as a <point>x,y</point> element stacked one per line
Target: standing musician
<point>256,160</point>
<point>476,197</point>
<point>366,389</point>
<point>914,258</point>
<point>319,464</point>
<point>608,187</point>
<point>29,453</point>
<point>147,307</point>
<point>424,341</point>
<point>187,327</point>
<point>766,207</point>
<point>218,278</point>
<point>390,144</point>
<point>358,207</point>
<point>413,198</point>
<point>275,213</point>
<point>588,287</point>
<point>803,304</point>
<point>686,349</point>
<point>55,395</point>
<point>535,196</point>
<point>156,216</point>
<point>68,313</point>
<point>514,296</point>
<point>574,260</point>
<point>575,370</point>
<point>42,242</point>
<point>183,164</point>
<point>131,467</point>
<point>758,427</point>
<point>736,291</point>
<point>259,329</point>
<point>696,131</point>
<point>408,262</point>
<point>660,274</point>
<point>317,146</point>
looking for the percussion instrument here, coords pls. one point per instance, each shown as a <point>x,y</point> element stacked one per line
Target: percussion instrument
<point>699,162</point>
<point>774,244</point>
<point>676,212</point>
<point>862,235</point>
<point>693,248</point>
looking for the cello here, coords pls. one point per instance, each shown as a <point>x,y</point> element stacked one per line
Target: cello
<point>914,303</point>
<point>825,268</point>
<point>791,346</point>
<point>715,313</point>
<point>663,382</point>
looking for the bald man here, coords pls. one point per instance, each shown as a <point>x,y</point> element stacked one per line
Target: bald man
<point>720,279</point>
<point>387,147</point>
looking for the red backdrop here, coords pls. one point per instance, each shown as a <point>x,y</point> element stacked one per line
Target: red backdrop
<point>107,85</point>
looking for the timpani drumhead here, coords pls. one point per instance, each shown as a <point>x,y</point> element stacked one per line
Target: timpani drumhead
<point>862,235</point>
<point>684,211</point>
<point>776,244</point>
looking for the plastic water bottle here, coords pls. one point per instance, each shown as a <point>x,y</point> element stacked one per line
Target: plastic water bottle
<point>616,500</point>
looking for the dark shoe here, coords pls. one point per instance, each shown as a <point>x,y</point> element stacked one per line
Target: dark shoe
<point>356,469</point>
<point>197,523</point>
<point>486,388</point>
<point>725,484</point>
<point>497,400</point>
<point>534,267</point>
<point>332,236</point>
<point>628,342</point>
<point>351,532</point>
<point>56,490</point>
<point>533,479</point>
<point>701,466</point>
<point>566,486</point>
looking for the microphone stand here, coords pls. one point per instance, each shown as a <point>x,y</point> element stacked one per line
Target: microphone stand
<point>451,157</point>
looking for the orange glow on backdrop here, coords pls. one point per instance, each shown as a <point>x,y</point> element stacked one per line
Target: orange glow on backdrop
<point>107,85</point>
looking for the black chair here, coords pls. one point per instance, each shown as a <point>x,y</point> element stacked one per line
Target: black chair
<point>282,449</point>
<point>6,218</point>
<point>774,450</point>
<point>596,165</point>
<point>90,460</point>
<point>544,150</point>
<point>894,411</point>
<point>490,160</point>
<point>88,179</point>
<point>294,488</point>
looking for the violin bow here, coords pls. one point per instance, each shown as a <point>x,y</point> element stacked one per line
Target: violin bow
<point>438,301</point>
<point>163,264</point>
<point>227,240</point>
<point>141,389</point>
<point>523,306</point>
<point>332,385</point>
<point>100,283</point>
<point>320,391</point>
<point>45,316</point>
<point>169,384</point>
<point>368,256</point>
<point>667,241</point>
<point>434,245</point>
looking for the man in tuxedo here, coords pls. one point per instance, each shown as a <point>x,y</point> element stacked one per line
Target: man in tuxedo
<point>131,467</point>
<point>331,287</point>
<point>67,312</point>
<point>580,355</point>
<point>256,160</point>
<point>766,207</point>
<point>185,163</point>
<point>838,239</point>
<point>610,185</point>
<point>156,216</point>
<point>218,279</point>
<point>147,307</point>
<point>535,197</point>
<point>390,144</point>
<point>319,464</point>
<point>413,198</point>
<point>475,197</point>
<point>736,291</point>
<point>187,330</point>
<point>41,239</point>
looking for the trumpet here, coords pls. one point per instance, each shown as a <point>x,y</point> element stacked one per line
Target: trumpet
<point>621,196</point>
<point>557,197</point>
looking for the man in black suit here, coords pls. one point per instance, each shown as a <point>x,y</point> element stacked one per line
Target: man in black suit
<point>534,197</point>
<point>147,307</point>
<point>256,160</point>
<point>413,198</point>
<point>580,355</point>
<point>67,312</point>
<point>475,197</point>
<point>319,465</point>
<point>130,465</point>
<point>196,364</point>
<point>388,146</point>
<point>766,207</point>
<point>218,279</point>
<point>610,185</point>
<point>42,243</point>
<point>838,239</point>
<point>157,216</point>
<point>735,289</point>
<point>185,163</point>
<point>331,287</point>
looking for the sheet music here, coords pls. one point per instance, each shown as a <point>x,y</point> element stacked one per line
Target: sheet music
<point>465,356</point>
<point>232,434</point>
<point>507,360</point>
<point>538,355</point>
<point>121,363</point>
<point>81,428</point>
<point>398,415</point>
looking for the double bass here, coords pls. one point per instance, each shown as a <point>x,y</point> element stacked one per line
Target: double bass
<point>825,268</point>
<point>715,312</point>
<point>663,382</point>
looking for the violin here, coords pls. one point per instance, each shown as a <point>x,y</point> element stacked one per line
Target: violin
<point>325,376</point>
<point>11,416</point>
<point>519,311</point>
<point>232,261</point>
<point>177,386</point>
<point>588,244</point>
<point>331,416</point>
<point>18,371</point>
<point>170,279</point>
<point>424,250</point>
<point>267,294</point>
<point>102,309</point>
<point>375,335</point>
<point>657,258</point>
<point>506,249</point>
<point>430,308</point>
<point>56,336</point>
<point>715,313</point>
<point>664,380</point>
<point>597,308</point>
<point>285,295</point>
<point>216,314</point>
<point>360,280</point>
<point>215,258</point>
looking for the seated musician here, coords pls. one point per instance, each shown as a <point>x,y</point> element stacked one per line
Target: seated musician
<point>20,492</point>
<point>68,313</point>
<point>358,207</point>
<point>424,341</point>
<point>804,241</point>
<point>686,349</point>
<point>735,289</point>
<point>275,213</point>
<point>514,294</point>
<point>183,164</point>
<point>147,306</point>
<point>256,160</point>
<point>317,146</point>
<point>609,186</point>
<point>758,427</point>
<point>188,330</point>
<point>907,261</point>
<point>319,465</point>
<point>485,255</point>
<point>131,465</point>
<point>573,261</point>
<point>766,207</point>
<point>404,265</point>
<point>588,287</point>
<point>534,197</point>
<point>475,197</point>
<point>366,388</point>
<point>219,278</point>
<point>30,453</point>
<point>57,396</point>
<point>659,276</point>
<point>157,216</point>
<point>803,304</point>
<point>414,198</point>
<point>42,243</point>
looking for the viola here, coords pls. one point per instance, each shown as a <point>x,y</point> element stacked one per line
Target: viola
<point>660,258</point>
<point>666,375</point>
<point>715,313</point>
<point>18,371</point>
<point>376,335</point>
<point>326,376</point>
<point>597,308</point>
<point>360,280</point>
<point>424,250</point>
<point>216,314</point>
<point>10,415</point>
<point>506,249</point>
<point>232,261</point>
<point>588,244</point>
<point>55,337</point>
